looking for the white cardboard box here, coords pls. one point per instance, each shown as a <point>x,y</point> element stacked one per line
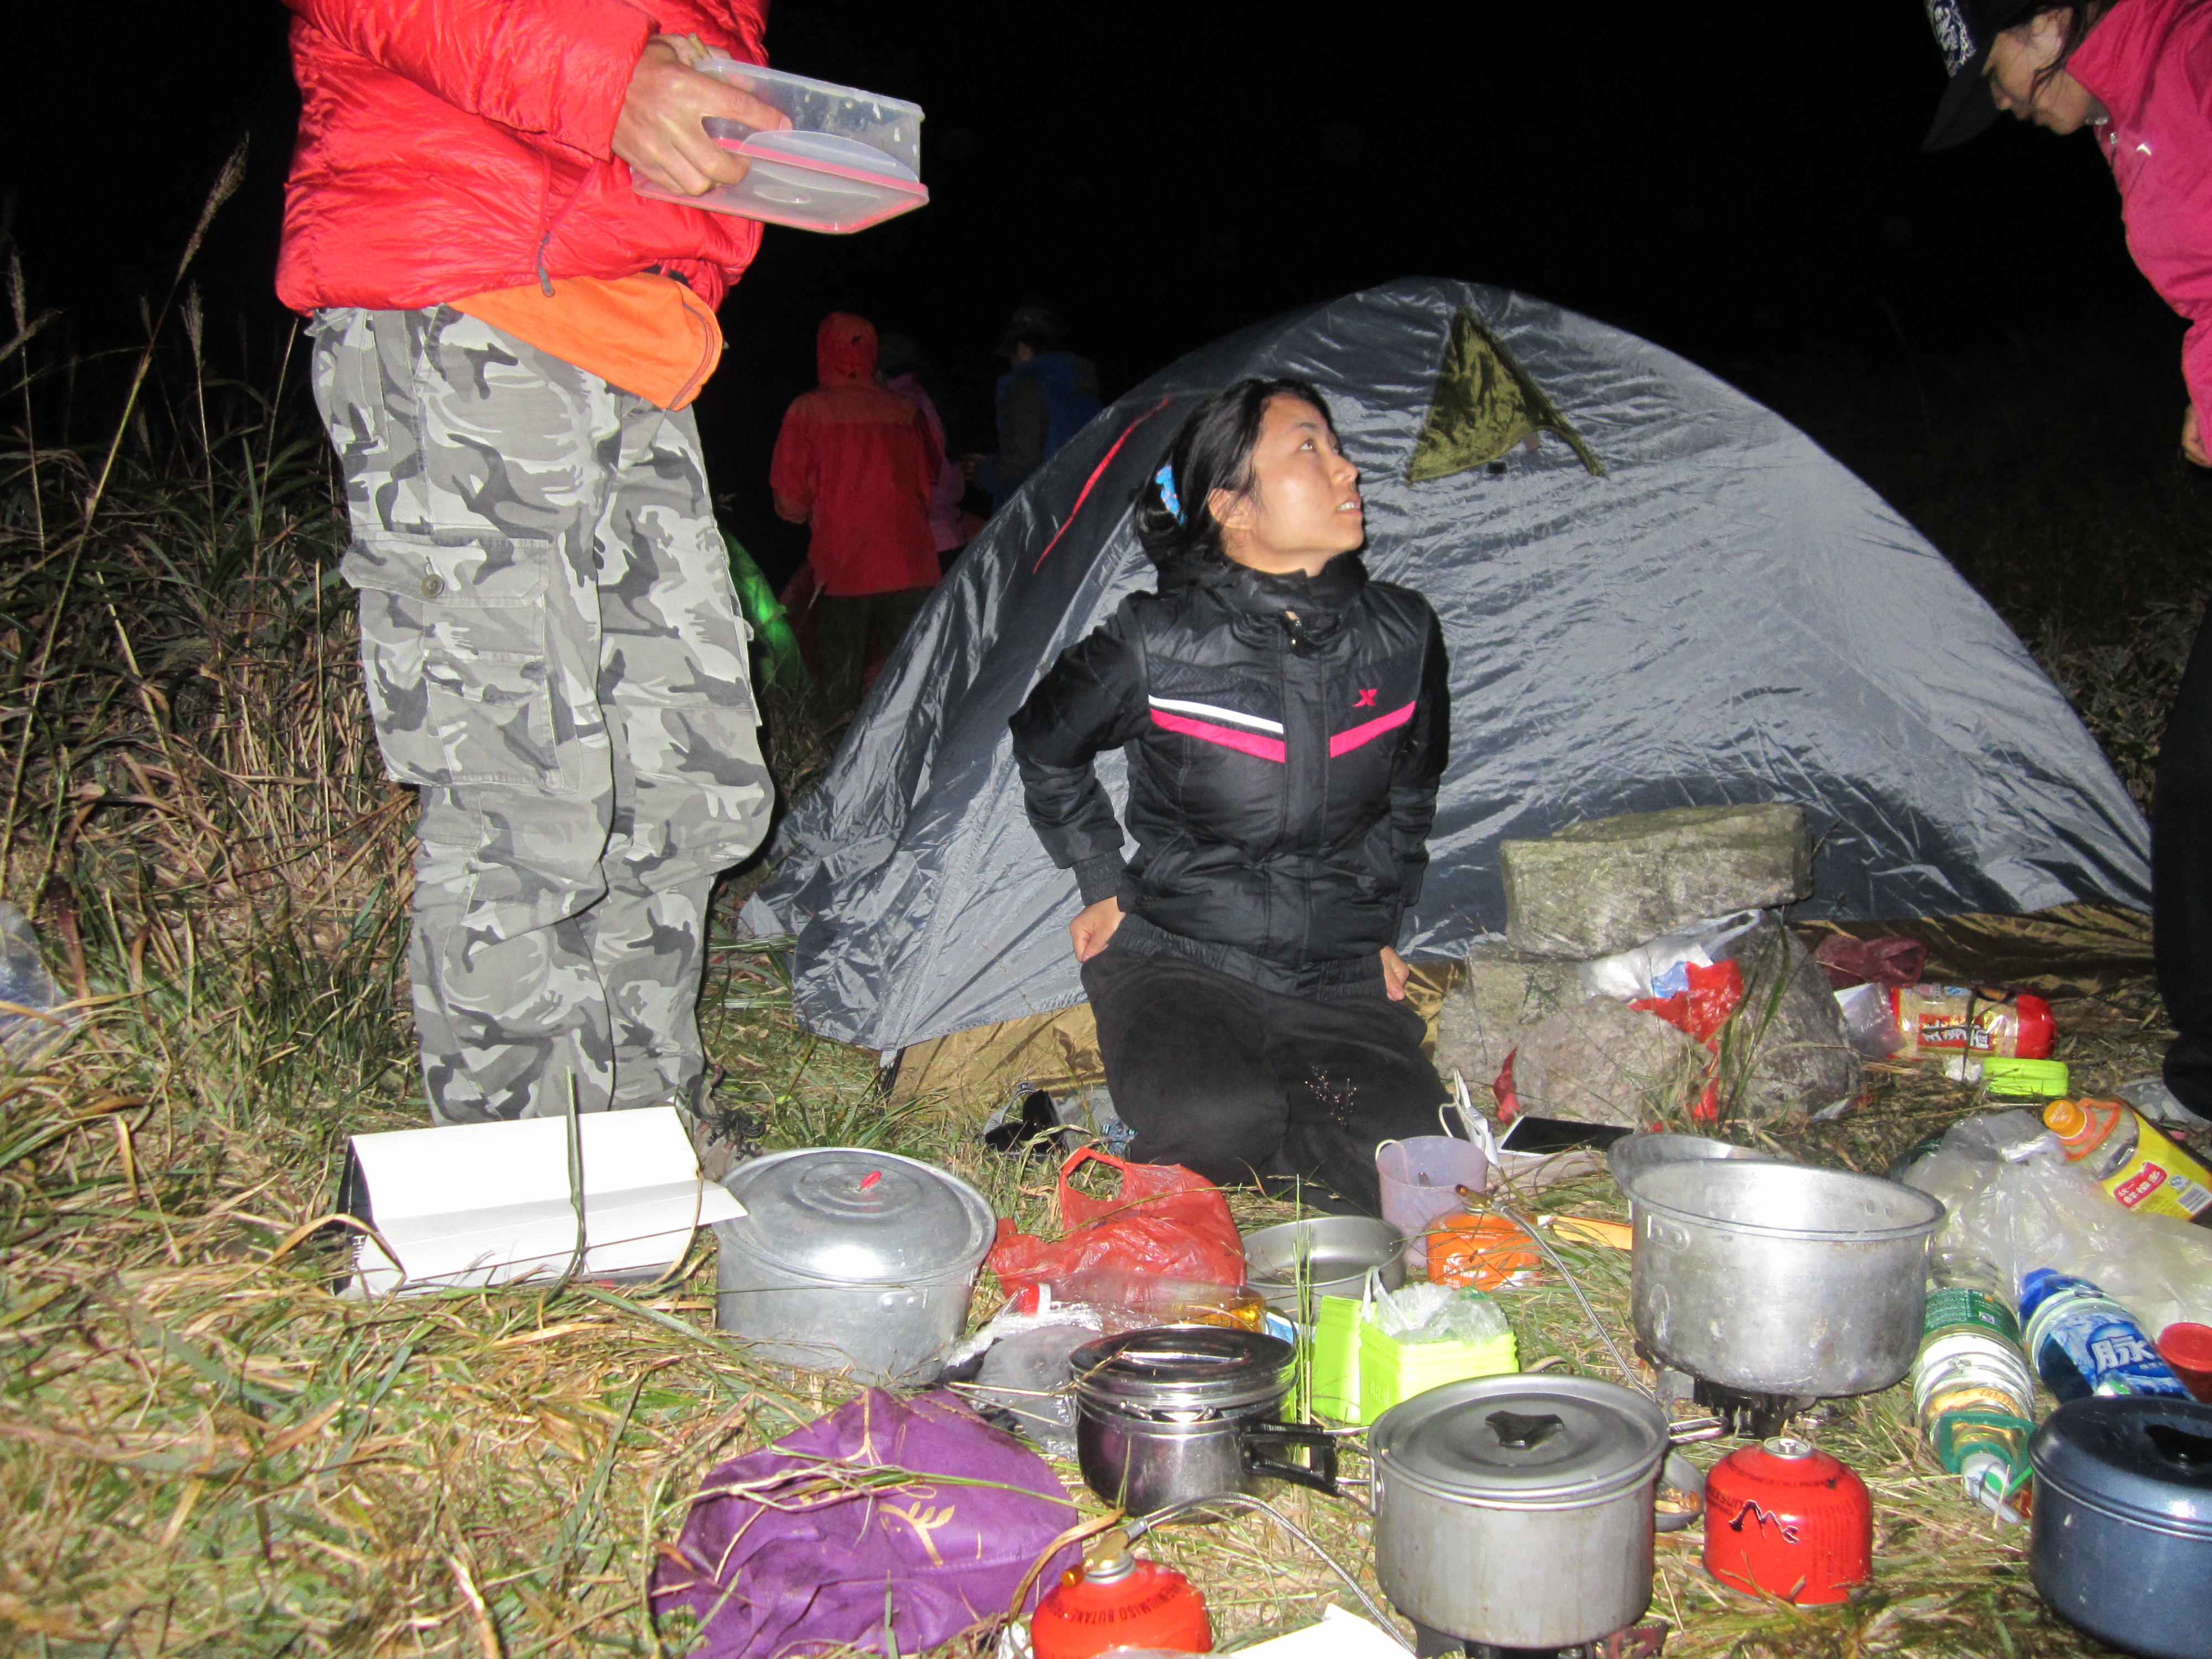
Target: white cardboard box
<point>479,1204</point>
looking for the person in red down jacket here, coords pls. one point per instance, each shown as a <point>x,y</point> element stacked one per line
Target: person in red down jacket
<point>2136,75</point>
<point>855,463</point>
<point>507,339</point>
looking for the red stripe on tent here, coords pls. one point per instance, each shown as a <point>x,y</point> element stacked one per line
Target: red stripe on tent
<point>1084,494</point>
<point>1250,743</point>
<point>1345,742</point>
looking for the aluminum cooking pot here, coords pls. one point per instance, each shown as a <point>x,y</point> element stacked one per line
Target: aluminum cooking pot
<point>1779,1278</point>
<point>1186,1412</point>
<point>849,1260</point>
<point>1516,1511</point>
<point>2121,1543</point>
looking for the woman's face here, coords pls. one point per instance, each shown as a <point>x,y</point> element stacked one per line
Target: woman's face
<point>1304,508</point>
<point>2018,56</point>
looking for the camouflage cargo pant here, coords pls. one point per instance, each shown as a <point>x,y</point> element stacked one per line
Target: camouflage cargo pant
<point>555,660</point>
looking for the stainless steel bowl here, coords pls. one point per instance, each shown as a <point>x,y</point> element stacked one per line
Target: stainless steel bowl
<point>1630,1156</point>
<point>1333,1253</point>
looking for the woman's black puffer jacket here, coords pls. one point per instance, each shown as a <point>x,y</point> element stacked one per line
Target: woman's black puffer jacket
<point>1285,734</point>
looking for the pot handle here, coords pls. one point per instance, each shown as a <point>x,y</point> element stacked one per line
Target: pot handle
<point>1321,1475</point>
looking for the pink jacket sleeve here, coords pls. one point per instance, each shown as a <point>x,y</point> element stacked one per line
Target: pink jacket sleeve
<point>550,69</point>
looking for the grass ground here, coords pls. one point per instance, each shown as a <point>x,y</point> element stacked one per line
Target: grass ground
<point>202,1451</point>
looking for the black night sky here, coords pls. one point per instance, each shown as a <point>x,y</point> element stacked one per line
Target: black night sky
<point>1740,182</point>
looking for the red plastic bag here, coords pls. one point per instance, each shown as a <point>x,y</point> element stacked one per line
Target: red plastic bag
<point>1166,1220</point>
<point>1889,961</point>
<point>1715,993</point>
<point>1703,1008</point>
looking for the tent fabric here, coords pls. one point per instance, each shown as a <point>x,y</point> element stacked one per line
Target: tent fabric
<point>1726,615</point>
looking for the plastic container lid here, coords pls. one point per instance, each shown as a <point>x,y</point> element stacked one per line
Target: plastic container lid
<point>2145,1458</point>
<point>1541,1442</point>
<point>2187,1346</point>
<point>849,1215</point>
<point>850,159</point>
<point>2025,1077</point>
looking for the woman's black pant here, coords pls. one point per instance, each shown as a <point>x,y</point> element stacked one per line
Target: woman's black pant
<point>1249,1086</point>
<point>2181,879</point>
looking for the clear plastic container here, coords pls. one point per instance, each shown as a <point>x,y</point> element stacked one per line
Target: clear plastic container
<point>850,160</point>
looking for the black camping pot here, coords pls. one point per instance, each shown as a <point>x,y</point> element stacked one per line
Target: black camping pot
<point>1188,1411</point>
<point>2121,1543</point>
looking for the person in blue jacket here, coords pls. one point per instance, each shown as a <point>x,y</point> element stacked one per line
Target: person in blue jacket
<point>1047,397</point>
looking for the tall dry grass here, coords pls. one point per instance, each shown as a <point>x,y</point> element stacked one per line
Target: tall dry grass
<point>202,1450</point>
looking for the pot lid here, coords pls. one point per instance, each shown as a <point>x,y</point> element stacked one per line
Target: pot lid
<point>1522,1439</point>
<point>848,1214</point>
<point>2146,1457</point>
<point>1184,1367</point>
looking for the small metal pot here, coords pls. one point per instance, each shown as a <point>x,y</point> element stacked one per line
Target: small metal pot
<point>1779,1278</point>
<point>2121,1543</point>
<point>1187,1412</point>
<point>849,1260</point>
<point>1333,1252</point>
<point>1516,1511</point>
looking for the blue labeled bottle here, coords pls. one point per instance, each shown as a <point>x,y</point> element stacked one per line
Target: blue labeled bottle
<point>2083,1342</point>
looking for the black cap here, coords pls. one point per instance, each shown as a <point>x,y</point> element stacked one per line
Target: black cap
<point>1033,323</point>
<point>1964,30</point>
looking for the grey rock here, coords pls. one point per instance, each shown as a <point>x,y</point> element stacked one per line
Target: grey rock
<point>1786,1050</point>
<point>1602,886</point>
<point>1502,993</point>
<point>1602,1061</point>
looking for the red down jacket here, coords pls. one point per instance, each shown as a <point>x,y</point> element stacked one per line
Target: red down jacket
<point>452,147</point>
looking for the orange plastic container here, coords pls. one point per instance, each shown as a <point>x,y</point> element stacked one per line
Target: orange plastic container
<point>1119,1602</point>
<point>1484,1251</point>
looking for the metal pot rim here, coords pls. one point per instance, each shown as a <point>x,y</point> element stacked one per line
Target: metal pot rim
<point>1640,1198</point>
<point>1578,1498</point>
<point>2167,1526</point>
<point>1237,1385</point>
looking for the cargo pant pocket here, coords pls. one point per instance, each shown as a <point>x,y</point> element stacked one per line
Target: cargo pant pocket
<point>455,647</point>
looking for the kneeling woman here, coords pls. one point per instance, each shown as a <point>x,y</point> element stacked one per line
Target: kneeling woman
<point>1286,720</point>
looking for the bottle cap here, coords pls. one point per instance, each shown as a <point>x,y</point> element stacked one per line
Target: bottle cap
<point>2024,1077</point>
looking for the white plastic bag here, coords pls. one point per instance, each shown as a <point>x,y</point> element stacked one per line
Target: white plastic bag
<point>2015,1200</point>
<point>1654,968</point>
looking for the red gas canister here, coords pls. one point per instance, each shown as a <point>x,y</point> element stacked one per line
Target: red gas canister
<point>1784,1519</point>
<point>1118,1600</point>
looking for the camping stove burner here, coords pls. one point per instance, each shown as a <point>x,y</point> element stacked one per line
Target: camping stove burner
<point>1639,1642</point>
<point>1751,1416</point>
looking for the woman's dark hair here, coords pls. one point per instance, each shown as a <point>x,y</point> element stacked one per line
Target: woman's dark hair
<point>1212,452</point>
<point>2079,20</point>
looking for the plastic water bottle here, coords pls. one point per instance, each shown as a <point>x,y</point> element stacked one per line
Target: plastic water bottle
<point>2085,1343</point>
<point>1971,1388</point>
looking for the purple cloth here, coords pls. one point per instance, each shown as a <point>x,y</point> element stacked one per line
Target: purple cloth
<point>828,1566</point>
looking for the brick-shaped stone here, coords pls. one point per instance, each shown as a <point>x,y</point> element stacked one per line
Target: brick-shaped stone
<point>1602,1061</point>
<point>1602,886</point>
<point>1501,993</point>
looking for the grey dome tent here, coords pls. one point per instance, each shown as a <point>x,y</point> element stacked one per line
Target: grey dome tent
<point>1655,591</point>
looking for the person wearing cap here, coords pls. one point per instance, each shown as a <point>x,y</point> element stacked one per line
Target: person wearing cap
<point>507,340</point>
<point>2137,76</point>
<point>1046,396</point>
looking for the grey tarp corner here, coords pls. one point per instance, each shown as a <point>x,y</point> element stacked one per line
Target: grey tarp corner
<point>1726,615</point>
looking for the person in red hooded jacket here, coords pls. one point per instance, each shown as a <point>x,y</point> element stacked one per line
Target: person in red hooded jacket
<point>507,339</point>
<point>855,463</point>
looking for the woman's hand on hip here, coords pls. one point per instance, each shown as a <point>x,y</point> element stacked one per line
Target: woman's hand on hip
<point>1093,926</point>
<point>2192,440</point>
<point>1395,973</point>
